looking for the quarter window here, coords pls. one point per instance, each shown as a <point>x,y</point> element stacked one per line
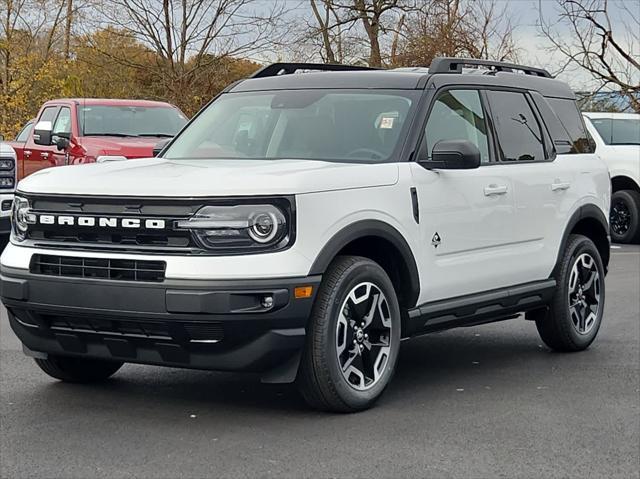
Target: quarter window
<point>571,119</point>
<point>457,115</point>
<point>519,132</point>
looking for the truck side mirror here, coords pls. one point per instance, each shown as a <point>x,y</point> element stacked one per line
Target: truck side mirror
<point>453,155</point>
<point>42,133</point>
<point>160,146</point>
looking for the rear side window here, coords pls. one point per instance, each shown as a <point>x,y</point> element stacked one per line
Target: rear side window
<point>519,132</point>
<point>625,131</point>
<point>571,119</point>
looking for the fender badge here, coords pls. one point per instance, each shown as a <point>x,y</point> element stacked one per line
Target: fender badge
<point>436,240</point>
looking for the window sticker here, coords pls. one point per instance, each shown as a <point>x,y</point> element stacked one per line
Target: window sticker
<point>386,123</point>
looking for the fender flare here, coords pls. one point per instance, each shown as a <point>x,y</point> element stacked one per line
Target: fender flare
<point>364,228</point>
<point>585,211</point>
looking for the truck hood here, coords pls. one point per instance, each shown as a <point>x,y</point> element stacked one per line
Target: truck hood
<point>127,147</point>
<point>159,177</point>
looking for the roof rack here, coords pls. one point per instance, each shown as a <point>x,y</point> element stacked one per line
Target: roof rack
<point>454,65</point>
<point>276,69</point>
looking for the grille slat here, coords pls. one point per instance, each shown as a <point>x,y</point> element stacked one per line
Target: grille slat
<point>101,268</point>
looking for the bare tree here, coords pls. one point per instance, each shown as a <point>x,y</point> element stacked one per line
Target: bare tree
<point>584,35</point>
<point>189,36</point>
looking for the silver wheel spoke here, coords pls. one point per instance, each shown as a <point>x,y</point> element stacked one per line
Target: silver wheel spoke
<point>584,293</point>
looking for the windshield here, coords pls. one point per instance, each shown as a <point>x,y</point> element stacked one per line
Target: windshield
<point>96,120</point>
<point>343,125</point>
<point>622,131</point>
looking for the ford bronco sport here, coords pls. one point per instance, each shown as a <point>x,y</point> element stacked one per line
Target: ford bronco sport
<point>304,223</point>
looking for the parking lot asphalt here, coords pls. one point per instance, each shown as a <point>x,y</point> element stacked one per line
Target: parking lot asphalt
<point>488,401</point>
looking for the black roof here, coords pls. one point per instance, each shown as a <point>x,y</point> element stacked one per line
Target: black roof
<point>503,75</point>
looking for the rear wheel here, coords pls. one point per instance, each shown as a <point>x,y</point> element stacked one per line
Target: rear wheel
<point>576,310</point>
<point>625,216</point>
<point>78,370</point>
<point>353,337</point>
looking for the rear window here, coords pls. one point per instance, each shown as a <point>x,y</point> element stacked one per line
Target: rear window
<point>621,131</point>
<point>571,119</point>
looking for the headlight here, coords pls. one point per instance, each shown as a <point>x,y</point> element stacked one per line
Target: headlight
<point>239,228</point>
<point>7,182</point>
<point>21,218</point>
<point>6,165</point>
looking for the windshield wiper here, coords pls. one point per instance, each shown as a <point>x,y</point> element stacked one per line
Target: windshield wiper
<point>159,135</point>
<point>119,135</point>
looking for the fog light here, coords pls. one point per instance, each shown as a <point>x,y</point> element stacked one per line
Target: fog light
<point>267,302</point>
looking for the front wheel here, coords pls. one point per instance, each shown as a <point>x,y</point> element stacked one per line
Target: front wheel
<point>575,312</point>
<point>353,337</point>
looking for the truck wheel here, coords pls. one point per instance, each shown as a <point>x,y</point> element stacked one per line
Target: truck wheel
<point>575,312</point>
<point>625,216</point>
<point>353,337</point>
<point>78,370</point>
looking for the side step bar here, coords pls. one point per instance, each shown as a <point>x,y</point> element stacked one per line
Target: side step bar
<point>469,310</point>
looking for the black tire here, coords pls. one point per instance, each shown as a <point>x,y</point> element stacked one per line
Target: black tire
<point>78,370</point>
<point>321,379</point>
<point>559,328</point>
<point>625,216</point>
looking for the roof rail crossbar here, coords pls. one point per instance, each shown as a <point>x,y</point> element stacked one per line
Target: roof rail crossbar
<point>276,69</point>
<point>454,65</point>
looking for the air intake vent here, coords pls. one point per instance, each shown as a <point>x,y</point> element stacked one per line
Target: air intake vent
<point>99,268</point>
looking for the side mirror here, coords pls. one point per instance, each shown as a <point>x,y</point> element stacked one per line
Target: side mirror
<point>160,146</point>
<point>62,143</point>
<point>453,155</point>
<point>42,133</point>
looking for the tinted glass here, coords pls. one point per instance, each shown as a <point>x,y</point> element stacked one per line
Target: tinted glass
<point>517,127</point>
<point>97,120</point>
<point>571,119</point>
<point>603,125</point>
<point>307,124</point>
<point>24,133</point>
<point>63,122</point>
<point>625,131</point>
<point>458,115</point>
<point>48,114</point>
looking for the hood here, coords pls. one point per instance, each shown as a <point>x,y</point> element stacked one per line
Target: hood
<point>114,146</point>
<point>159,177</point>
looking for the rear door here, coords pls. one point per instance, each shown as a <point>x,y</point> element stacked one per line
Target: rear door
<point>466,216</point>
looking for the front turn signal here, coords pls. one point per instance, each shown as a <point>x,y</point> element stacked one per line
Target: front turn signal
<point>301,292</point>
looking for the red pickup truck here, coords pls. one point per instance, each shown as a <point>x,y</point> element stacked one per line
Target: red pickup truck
<point>75,131</point>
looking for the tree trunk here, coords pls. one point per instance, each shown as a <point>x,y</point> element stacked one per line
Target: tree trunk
<point>67,30</point>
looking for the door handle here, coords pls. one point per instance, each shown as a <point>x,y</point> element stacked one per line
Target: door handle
<point>26,153</point>
<point>558,186</point>
<point>44,155</point>
<point>493,190</point>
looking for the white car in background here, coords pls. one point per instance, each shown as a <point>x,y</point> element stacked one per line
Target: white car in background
<point>617,137</point>
<point>7,186</point>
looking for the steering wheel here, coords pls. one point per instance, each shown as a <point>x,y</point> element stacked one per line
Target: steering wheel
<point>365,153</point>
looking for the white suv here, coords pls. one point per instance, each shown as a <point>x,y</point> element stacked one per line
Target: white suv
<point>8,170</point>
<point>303,224</point>
<point>617,138</point>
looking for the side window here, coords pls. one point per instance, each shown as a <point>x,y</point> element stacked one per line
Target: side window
<point>519,132</point>
<point>24,133</point>
<point>571,119</point>
<point>603,125</point>
<point>48,114</point>
<point>63,122</point>
<point>457,115</point>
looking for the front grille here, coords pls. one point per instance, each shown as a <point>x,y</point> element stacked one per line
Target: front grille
<point>99,268</point>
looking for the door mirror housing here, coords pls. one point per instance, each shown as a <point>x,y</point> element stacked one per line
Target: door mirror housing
<point>42,133</point>
<point>160,146</point>
<point>453,155</point>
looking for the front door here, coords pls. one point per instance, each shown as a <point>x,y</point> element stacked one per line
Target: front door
<point>37,157</point>
<point>466,216</point>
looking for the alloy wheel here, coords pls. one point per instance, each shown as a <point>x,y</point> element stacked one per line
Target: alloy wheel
<point>584,293</point>
<point>363,336</point>
<point>620,218</point>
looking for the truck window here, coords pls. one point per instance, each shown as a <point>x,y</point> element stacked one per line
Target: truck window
<point>48,114</point>
<point>63,122</point>
<point>23,136</point>
<point>571,119</point>
<point>519,132</point>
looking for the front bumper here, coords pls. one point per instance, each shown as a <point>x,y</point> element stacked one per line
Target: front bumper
<point>218,325</point>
